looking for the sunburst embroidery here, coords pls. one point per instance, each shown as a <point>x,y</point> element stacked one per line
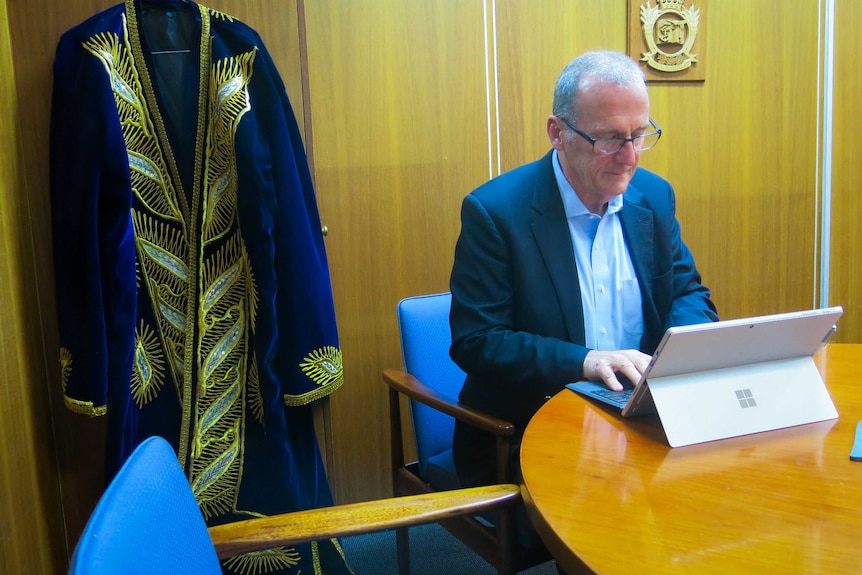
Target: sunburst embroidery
<point>323,366</point>
<point>266,561</point>
<point>65,366</point>
<point>148,373</point>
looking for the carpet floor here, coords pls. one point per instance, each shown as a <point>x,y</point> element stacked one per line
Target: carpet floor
<point>433,551</point>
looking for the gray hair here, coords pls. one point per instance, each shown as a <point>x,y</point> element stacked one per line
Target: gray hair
<point>604,65</point>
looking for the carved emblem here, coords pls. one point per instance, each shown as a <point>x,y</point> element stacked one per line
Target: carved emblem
<point>669,30</point>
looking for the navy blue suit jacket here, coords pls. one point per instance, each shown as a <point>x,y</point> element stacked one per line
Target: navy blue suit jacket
<point>517,320</point>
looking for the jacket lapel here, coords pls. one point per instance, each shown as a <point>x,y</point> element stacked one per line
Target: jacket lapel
<point>551,233</point>
<point>637,223</point>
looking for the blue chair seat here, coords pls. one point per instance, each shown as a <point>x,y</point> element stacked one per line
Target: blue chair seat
<point>440,472</point>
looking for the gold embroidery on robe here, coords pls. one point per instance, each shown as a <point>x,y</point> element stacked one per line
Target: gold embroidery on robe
<point>65,366</point>
<point>221,15</point>
<point>226,302</point>
<point>76,405</point>
<point>324,367</point>
<point>224,312</point>
<point>147,366</point>
<point>258,562</point>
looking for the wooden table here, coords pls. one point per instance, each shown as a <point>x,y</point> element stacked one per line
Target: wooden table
<point>610,496</point>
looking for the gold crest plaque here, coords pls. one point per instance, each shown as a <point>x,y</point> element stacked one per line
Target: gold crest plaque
<point>668,38</point>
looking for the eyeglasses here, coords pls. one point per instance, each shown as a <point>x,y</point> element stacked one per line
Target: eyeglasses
<point>607,146</point>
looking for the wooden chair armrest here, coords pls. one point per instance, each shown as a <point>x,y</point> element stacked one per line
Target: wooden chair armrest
<point>410,386</point>
<point>290,529</point>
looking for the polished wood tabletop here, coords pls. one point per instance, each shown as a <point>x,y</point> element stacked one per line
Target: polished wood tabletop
<point>609,496</point>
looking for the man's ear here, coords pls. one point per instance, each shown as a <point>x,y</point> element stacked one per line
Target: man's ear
<point>555,132</point>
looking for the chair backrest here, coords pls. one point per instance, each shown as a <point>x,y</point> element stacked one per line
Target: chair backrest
<point>147,521</point>
<point>425,341</point>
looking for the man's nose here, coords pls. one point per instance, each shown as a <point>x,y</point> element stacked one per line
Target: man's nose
<point>627,154</point>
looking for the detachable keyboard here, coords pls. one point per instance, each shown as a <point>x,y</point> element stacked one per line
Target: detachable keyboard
<point>618,398</point>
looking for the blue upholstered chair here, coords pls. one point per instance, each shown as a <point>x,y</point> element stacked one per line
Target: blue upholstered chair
<point>432,381</point>
<point>148,522</point>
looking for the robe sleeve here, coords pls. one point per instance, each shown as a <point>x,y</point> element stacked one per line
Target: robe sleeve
<point>298,352</point>
<point>93,240</point>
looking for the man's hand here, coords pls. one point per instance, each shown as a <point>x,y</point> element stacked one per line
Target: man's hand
<point>604,365</point>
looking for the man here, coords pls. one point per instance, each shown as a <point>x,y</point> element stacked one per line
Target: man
<point>571,267</point>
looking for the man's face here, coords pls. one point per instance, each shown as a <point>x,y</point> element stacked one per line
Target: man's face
<point>606,111</point>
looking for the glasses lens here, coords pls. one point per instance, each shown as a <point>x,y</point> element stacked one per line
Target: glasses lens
<point>607,146</point>
<point>646,141</point>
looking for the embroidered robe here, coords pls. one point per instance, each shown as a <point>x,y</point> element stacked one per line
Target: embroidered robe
<point>193,291</point>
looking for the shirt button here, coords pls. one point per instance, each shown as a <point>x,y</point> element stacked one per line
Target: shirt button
<point>604,331</point>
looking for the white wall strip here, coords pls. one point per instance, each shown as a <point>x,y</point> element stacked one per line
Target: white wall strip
<point>488,92</point>
<point>497,90</point>
<point>828,76</point>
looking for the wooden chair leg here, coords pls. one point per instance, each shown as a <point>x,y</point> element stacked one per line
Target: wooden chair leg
<point>506,541</point>
<point>402,543</point>
<point>506,518</point>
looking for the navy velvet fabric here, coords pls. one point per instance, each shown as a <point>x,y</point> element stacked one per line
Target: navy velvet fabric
<point>193,291</point>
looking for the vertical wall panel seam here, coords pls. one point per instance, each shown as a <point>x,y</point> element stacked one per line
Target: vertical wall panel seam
<point>488,87</point>
<point>489,56</point>
<point>496,87</point>
<point>828,78</point>
<point>306,85</point>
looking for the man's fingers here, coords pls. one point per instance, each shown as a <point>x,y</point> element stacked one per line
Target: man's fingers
<point>613,383</point>
<point>633,373</point>
<point>609,376</point>
<point>604,366</point>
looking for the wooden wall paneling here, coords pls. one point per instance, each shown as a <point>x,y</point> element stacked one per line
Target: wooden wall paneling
<point>31,537</point>
<point>398,100</point>
<point>76,453</point>
<point>535,41</point>
<point>741,151</point>
<point>846,238</point>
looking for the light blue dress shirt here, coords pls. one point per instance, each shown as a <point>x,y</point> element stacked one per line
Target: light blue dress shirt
<point>613,312</point>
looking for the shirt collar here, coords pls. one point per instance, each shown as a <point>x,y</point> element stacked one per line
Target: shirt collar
<point>571,202</point>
